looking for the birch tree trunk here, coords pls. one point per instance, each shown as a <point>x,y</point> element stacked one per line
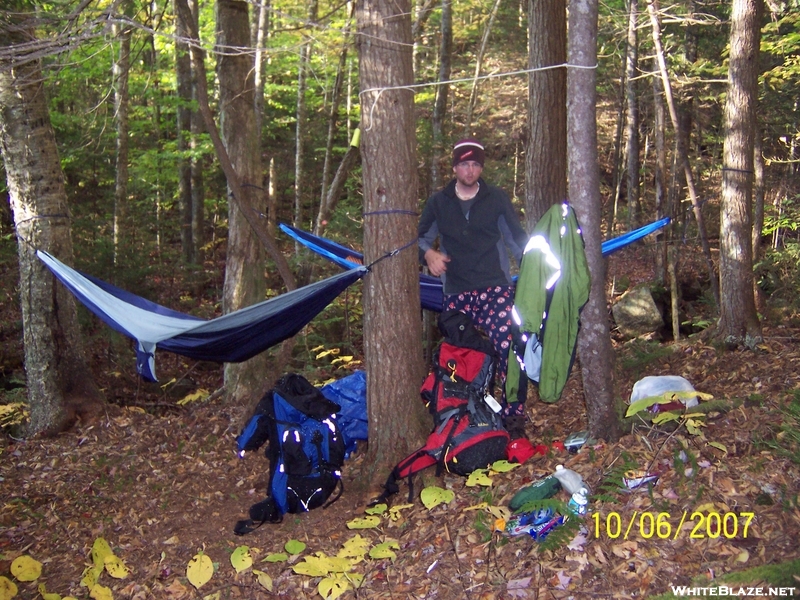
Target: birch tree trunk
<point>392,330</point>
<point>546,148</point>
<point>594,340</point>
<point>738,323</point>
<point>61,389</point>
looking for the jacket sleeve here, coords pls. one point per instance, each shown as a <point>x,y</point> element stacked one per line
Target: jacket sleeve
<point>513,234</point>
<point>428,229</point>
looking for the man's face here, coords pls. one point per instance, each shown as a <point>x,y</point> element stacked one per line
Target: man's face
<point>467,172</point>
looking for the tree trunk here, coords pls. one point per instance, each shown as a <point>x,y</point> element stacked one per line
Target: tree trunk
<point>238,195</point>
<point>300,184</point>
<point>61,389</point>
<point>198,162</point>
<point>120,72</point>
<point>442,90</point>
<point>594,340</point>
<point>392,331</point>
<point>738,323</point>
<point>245,262</point>
<point>183,74</point>
<point>681,157</point>
<point>632,121</point>
<point>333,117</point>
<point>546,150</point>
<point>337,185</point>
<point>473,96</point>
<point>660,178</point>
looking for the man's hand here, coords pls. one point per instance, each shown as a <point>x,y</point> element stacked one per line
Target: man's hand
<point>437,262</point>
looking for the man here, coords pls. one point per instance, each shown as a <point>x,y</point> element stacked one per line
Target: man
<point>477,227</point>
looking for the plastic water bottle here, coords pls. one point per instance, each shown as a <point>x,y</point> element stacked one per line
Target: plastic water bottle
<point>579,503</point>
<point>569,479</point>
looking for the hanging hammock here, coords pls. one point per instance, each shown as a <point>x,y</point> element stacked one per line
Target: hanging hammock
<point>234,337</point>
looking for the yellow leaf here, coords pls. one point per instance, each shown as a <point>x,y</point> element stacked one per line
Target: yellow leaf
<point>384,550</point>
<point>743,556</point>
<point>394,512</point>
<point>200,394</point>
<point>355,547</point>
<point>45,595</point>
<point>116,568</point>
<point>25,568</point>
<point>432,496</point>
<point>378,509</point>
<point>331,588</point>
<point>294,546</point>
<point>90,576</point>
<point>503,466</point>
<point>478,477</point>
<point>719,446</point>
<point>264,580</point>
<point>101,592</point>
<point>241,559</point>
<point>100,549</point>
<point>199,570</point>
<point>8,589</point>
<point>276,557</point>
<point>313,566</point>
<point>500,512</point>
<point>369,522</point>
<point>479,506</point>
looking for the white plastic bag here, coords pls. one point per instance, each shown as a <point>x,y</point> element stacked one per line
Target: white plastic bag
<point>657,385</point>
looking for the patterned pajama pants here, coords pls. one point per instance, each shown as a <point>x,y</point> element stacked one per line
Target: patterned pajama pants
<point>490,310</point>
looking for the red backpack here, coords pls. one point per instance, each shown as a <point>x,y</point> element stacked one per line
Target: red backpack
<point>468,431</point>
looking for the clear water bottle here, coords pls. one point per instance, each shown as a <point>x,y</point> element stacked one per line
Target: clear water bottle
<point>569,479</point>
<point>579,503</point>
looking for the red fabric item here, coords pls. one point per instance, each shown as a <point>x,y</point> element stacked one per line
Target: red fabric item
<point>520,450</point>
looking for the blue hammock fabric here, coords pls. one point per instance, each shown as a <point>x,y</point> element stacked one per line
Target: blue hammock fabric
<point>234,337</point>
<point>431,291</point>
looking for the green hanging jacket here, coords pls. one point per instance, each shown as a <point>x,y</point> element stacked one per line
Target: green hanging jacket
<point>554,264</point>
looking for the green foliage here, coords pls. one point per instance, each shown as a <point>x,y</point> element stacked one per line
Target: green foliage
<point>637,355</point>
<point>785,440</point>
<point>778,273</point>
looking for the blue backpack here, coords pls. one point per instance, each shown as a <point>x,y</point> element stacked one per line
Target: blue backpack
<point>306,450</point>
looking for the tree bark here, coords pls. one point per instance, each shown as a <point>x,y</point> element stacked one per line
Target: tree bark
<point>61,389</point>
<point>738,323</point>
<point>301,125</point>
<point>238,195</point>
<point>183,75</point>
<point>337,185</point>
<point>660,178</point>
<point>632,120</point>
<point>442,91</point>
<point>120,72</point>
<point>546,148</point>
<point>473,96</point>
<point>594,340</point>
<point>392,331</point>
<point>681,156</point>
<point>245,261</point>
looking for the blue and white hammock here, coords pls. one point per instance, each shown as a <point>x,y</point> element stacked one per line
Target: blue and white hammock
<point>234,337</point>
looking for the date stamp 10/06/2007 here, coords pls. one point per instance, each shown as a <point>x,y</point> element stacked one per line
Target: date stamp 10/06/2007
<point>663,525</point>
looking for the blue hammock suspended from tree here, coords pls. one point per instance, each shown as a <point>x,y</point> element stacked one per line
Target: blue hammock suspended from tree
<point>234,337</point>
<point>430,288</point>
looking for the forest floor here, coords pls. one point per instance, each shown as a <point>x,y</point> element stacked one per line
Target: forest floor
<point>161,482</point>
